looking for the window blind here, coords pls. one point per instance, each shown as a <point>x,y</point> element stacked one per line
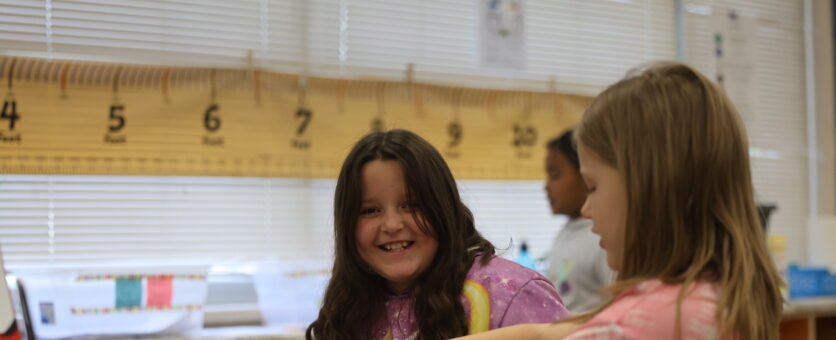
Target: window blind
<point>776,123</point>
<point>582,45</point>
<point>58,220</point>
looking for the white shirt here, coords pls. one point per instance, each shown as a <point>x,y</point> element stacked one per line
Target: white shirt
<point>578,266</point>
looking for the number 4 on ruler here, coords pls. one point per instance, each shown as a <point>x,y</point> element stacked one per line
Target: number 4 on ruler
<point>10,113</point>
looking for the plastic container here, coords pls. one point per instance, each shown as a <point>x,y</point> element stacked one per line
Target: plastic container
<point>829,285</point>
<point>524,259</point>
<point>807,281</point>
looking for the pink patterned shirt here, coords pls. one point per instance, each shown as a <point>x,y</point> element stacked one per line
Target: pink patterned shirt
<point>499,294</point>
<point>648,311</point>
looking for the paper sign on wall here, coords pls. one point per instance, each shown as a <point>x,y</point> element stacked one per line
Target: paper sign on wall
<point>502,34</point>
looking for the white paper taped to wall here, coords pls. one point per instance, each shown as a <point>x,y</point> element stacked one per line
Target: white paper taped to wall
<point>135,301</point>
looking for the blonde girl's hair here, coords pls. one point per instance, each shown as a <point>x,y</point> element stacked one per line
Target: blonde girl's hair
<point>682,150</point>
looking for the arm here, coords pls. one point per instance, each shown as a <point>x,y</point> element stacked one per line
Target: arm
<point>533,331</point>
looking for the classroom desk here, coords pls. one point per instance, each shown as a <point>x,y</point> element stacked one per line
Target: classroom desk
<point>809,319</point>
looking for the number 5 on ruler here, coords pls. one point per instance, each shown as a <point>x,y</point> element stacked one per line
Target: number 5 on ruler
<point>117,117</point>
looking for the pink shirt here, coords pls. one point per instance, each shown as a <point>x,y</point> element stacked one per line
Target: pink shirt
<point>504,293</point>
<point>648,311</point>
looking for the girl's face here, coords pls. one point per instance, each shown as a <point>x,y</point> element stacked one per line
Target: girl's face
<point>606,204</point>
<point>388,235</point>
<point>564,186</point>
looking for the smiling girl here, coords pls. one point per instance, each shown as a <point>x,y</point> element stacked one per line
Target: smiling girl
<point>409,262</point>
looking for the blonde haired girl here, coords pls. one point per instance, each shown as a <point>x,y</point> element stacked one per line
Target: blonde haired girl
<point>664,156</point>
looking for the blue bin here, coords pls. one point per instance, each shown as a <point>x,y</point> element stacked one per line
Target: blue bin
<point>829,285</point>
<point>807,282</point>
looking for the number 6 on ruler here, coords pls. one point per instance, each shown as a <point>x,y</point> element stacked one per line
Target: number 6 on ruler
<point>210,122</point>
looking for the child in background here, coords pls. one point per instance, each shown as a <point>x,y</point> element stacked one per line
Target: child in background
<point>409,262</point>
<point>665,159</point>
<point>576,264</point>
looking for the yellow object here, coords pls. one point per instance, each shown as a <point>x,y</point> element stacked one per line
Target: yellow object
<point>480,307</point>
<point>777,246</point>
<point>108,119</point>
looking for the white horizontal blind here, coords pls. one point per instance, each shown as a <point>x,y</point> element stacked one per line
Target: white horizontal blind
<point>91,220</point>
<point>584,45</point>
<point>157,32</point>
<point>22,26</point>
<point>509,213</point>
<point>596,42</point>
<point>776,128</point>
<point>77,220</point>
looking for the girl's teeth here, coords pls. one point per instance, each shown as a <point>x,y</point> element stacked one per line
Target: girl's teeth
<point>396,246</point>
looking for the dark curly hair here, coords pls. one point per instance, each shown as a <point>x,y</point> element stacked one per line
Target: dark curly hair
<point>355,298</point>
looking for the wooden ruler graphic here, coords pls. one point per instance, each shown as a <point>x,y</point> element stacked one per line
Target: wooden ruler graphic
<point>94,118</point>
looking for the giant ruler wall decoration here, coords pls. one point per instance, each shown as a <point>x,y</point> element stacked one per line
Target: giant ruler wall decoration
<point>61,117</point>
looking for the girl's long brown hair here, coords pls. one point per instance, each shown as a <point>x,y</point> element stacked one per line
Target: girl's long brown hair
<point>355,296</point>
<point>682,150</point>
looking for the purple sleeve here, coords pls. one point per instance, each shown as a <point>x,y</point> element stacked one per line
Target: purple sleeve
<point>536,302</point>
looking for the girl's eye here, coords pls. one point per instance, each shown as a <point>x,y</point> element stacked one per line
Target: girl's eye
<point>410,205</point>
<point>590,190</point>
<point>368,211</point>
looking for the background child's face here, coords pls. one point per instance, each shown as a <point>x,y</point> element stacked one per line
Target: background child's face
<point>388,235</point>
<point>564,185</point>
<point>606,204</point>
